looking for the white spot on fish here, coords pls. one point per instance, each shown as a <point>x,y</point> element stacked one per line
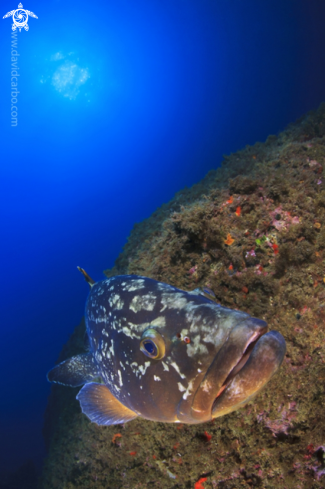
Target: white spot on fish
<point>146,302</point>
<point>120,377</point>
<point>165,366</point>
<point>135,369</point>
<point>130,333</point>
<point>111,348</point>
<point>133,285</point>
<point>159,322</point>
<point>206,386</point>
<point>164,287</point>
<point>156,377</point>
<point>188,390</point>
<point>144,367</point>
<point>195,347</point>
<point>98,356</point>
<point>139,327</point>
<point>176,367</point>
<point>181,387</point>
<point>236,389</point>
<point>174,300</point>
<point>116,302</point>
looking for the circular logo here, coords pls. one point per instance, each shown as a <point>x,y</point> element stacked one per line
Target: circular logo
<point>20,18</point>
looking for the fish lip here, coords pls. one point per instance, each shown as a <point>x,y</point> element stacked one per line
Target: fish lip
<point>240,364</point>
<point>264,360</point>
<point>228,358</point>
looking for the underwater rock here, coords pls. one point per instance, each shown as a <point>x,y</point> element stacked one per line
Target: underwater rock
<point>272,271</point>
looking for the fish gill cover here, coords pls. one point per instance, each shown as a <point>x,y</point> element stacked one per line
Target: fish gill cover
<point>253,232</point>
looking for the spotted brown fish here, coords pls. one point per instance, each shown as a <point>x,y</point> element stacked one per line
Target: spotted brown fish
<point>164,354</point>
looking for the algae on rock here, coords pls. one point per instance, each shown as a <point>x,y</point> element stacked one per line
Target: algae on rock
<point>269,199</point>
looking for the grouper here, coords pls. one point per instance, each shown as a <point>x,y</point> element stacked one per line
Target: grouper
<point>167,355</point>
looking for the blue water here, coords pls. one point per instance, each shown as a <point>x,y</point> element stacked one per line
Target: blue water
<point>120,105</point>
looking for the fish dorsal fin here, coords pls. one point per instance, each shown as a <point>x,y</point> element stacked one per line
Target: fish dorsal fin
<point>205,292</point>
<point>89,280</point>
<point>75,371</point>
<point>101,407</point>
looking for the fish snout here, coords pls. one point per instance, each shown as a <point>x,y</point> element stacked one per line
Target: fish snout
<point>263,362</point>
<point>230,358</point>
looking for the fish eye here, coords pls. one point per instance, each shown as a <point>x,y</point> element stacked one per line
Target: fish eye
<point>150,348</point>
<point>152,344</point>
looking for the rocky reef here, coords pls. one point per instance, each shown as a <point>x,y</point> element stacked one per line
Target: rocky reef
<point>254,232</point>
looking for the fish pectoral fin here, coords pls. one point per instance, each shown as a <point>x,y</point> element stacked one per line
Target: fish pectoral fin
<point>75,371</point>
<point>101,407</point>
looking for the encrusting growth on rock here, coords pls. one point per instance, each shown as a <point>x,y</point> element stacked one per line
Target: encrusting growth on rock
<point>274,269</point>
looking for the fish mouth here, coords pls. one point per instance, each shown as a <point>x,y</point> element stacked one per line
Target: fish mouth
<point>241,363</point>
<point>242,366</point>
<point>260,362</point>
